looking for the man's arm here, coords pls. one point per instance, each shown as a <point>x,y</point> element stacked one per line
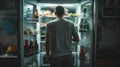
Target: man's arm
<point>75,36</point>
<point>47,44</point>
<point>48,40</point>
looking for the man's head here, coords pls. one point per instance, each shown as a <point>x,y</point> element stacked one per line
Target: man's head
<point>59,11</point>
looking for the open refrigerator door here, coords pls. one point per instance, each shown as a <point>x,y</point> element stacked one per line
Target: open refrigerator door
<point>30,34</point>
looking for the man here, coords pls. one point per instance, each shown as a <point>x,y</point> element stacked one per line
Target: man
<point>60,34</point>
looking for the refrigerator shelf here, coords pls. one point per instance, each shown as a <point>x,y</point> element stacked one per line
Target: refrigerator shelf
<point>55,16</point>
<point>45,52</point>
<point>31,53</point>
<point>31,21</point>
<point>84,30</point>
<point>42,41</point>
<point>30,34</point>
<point>43,36</point>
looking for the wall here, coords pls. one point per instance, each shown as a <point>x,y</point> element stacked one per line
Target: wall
<point>109,34</point>
<point>108,30</point>
<point>8,11</point>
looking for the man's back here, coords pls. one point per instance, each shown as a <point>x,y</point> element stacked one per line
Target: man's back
<point>61,31</point>
<point>59,37</point>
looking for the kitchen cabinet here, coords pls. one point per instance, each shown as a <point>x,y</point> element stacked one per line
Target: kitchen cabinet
<point>111,8</point>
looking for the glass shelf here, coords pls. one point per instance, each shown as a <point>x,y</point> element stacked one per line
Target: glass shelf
<point>45,52</point>
<point>31,21</point>
<point>31,53</point>
<point>31,34</point>
<point>42,41</point>
<point>43,36</point>
<point>55,16</point>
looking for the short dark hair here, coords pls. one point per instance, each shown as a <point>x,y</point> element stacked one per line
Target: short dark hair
<point>59,11</point>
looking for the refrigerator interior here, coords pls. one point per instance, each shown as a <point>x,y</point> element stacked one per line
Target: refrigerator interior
<point>34,30</point>
<point>75,13</point>
<point>46,12</point>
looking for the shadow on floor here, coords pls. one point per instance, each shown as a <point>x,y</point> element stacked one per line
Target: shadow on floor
<point>108,58</point>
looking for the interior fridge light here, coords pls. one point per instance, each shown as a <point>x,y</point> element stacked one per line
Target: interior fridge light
<point>59,4</point>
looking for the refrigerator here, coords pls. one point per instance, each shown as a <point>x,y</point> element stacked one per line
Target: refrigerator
<point>34,16</point>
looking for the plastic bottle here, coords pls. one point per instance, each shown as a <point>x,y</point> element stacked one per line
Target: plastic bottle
<point>81,24</point>
<point>35,15</point>
<point>31,46</point>
<point>87,58</point>
<point>34,64</point>
<point>36,45</point>
<point>82,54</point>
<point>86,25</point>
<point>26,46</point>
<point>29,14</point>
